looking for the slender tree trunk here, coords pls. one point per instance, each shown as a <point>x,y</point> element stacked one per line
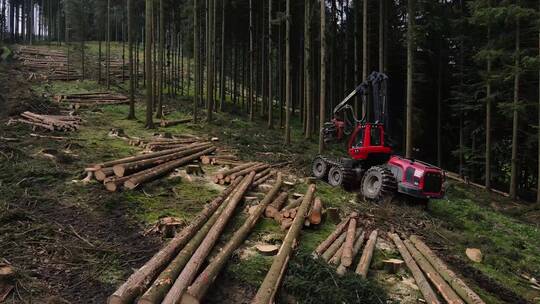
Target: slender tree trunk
<point>307,68</point>
<point>439,107</point>
<point>288,81</point>
<point>410,71</point>
<point>488,114</point>
<point>382,5</point>
<point>322,101</point>
<point>132,76</point>
<point>161,48</point>
<point>222,72</point>
<point>148,65</point>
<point>196,58</point>
<point>251,67</point>
<point>538,178</point>
<point>515,123</point>
<point>108,46</point>
<point>270,95</point>
<point>365,56</point>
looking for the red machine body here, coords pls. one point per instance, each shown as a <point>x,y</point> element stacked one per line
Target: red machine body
<point>371,166</point>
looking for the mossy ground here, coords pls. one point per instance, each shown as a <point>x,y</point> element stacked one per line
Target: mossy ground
<point>467,217</point>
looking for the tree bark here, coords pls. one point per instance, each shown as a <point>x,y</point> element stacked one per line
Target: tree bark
<point>270,67</point>
<point>148,65</point>
<point>223,174</point>
<point>444,289</point>
<point>196,58</point>
<point>273,209</point>
<point>347,257</point>
<point>121,170</point>
<point>190,270</point>
<point>198,289</point>
<point>488,111</point>
<point>382,4</point>
<point>288,80</point>
<point>334,247</point>
<point>108,45</point>
<point>130,20</point>
<point>410,71</point>
<point>459,286</point>
<point>322,101</point>
<point>423,284</point>
<point>538,177</point>
<point>307,68</point>
<point>164,281</point>
<point>315,214</point>
<point>363,266</point>
<point>267,289</point>
<point>515,122</point>
<point>357,245</point>
<point>141,278</point>
<point>159,170</point>
<point>333,236</point>
<point>251,67</point>
<point>161,47</point>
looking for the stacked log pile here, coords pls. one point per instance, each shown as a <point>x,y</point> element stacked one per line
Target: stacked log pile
<point>263,171</point>
<point>118,70</point>
<point>342,246</point>
<point>156,144</point>
<point>427,268</point>
<point>90,99</point>
<point>45,64</point>
<point>270,285</point>
<point>63,123</point>
<point>174,274</point>
<point>130,172</point>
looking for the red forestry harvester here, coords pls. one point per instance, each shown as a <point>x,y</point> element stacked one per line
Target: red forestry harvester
<point>371,166</point>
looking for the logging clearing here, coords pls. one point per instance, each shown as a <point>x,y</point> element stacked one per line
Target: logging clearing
<point>187,151</point>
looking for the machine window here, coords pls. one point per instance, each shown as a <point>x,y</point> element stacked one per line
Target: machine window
<point>359,140</point>
<point>375,136</point>
<point>409,174</point>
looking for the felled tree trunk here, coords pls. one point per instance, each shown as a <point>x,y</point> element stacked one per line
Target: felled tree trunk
<point>273,209</point>
<point>199,287</point>
<point>332,237</point>
<point>270,285</point>
<point>363,266</point>
<point>316,212</point>
<point>336,258</point>
<point>190,270</point>
<point>141,278</point>
<point>423,284</point>
<point>159,170</point>
<point>357,245</point>
<point>347,257</point>
<point>329,253</point>
<point>221,175</point>
<point>459,286</point>
<point>444,289</point>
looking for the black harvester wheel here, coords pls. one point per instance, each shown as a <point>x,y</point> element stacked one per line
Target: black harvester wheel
<point>340,175</point>
<point>378,184</point>
<point>320,168</point>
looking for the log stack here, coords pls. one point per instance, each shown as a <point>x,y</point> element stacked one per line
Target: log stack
<point>46,64</point>
<point>130,172</point>
<point>174,274</point>
<point>63,123</point>
<point>343,245</point>
<point>226,176</point>
<point>156,144</point>
<point>427,268</point>
<point>91,99</point>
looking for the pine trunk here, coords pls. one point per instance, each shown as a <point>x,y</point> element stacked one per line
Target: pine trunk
<point>148,65</point>
<point>515,122</point>
<point>322,93</point>
<point>130,20</point>
<point>410,71</point>
<point>190,270</point>
<point>288,80</point>
<point>141,279</point>
<point>363,266</point>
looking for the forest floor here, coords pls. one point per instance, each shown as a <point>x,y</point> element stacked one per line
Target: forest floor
<point>75,243</point>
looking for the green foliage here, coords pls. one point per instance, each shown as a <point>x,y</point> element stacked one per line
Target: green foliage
<point>311,280</point>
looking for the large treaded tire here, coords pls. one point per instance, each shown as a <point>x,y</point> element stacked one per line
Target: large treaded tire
<point>320,168</point>
<point>339,175</point>
<point>378,184</point>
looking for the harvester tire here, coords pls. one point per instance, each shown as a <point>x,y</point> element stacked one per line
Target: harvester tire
<point>378,184</point>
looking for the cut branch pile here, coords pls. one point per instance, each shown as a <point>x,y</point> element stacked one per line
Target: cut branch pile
<point>90,99</point>
<point>174,274</point>
<point>130,172</point>
<point>422,263</point>
<point>45,64</point>
<point>62,123</point>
